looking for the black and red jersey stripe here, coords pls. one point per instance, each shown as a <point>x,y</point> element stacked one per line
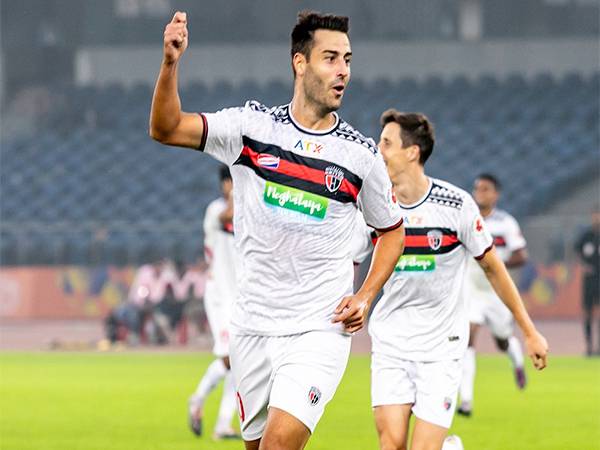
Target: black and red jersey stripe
<point>416,241</point>
<point>300,172</point>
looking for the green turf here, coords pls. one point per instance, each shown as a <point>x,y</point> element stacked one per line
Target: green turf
<point>71,401</point>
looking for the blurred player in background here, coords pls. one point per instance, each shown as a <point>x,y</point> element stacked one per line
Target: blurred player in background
<point>419,328</point>
<point>588,250</point>
<point>485,307</point>
<point>220,293</point>
<point>299,172</point>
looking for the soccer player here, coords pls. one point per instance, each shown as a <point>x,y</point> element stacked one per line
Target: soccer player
<point>588,250</point>
<point>419,328</point>
<point>484,305</point>
<point>299,173</point>
<point>219,294</point>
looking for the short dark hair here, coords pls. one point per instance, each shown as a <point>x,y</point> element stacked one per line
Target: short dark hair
<point>415,129</point>
<point>224,173</point>
<point>311,21</point>
<point>491,178</point>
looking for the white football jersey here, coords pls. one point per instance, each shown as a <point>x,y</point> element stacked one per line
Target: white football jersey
<point>296,193</point>
<point>421,315</point>
<point>507,239</point>
<point>219,249</point>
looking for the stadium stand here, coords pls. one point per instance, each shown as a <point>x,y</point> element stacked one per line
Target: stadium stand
<point>117,197</point>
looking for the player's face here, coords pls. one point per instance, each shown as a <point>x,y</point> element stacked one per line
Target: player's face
<point>327,72</point>
<point>485,194</point>
<point>395,155</point>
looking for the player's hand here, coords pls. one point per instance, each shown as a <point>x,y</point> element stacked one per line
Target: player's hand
<point>352,312</point>
<point>537,349</point>
<point>175,38</point>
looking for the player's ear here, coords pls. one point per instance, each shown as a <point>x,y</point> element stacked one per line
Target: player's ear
<point>299,63</point>
<point>414,152</point>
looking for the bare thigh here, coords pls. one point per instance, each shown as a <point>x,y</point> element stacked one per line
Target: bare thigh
<point>392,422</point>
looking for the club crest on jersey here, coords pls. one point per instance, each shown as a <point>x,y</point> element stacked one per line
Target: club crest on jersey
<point>447,403</point>
<point>333,178</point>
<point>309,146</point>
<point>268,161</point>
<point>314,395</point>
<point>434,238</point>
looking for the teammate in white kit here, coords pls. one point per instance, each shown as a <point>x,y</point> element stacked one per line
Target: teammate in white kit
<point>419,328</point>
<point>485,308</point>
<point>299,173</point>
<point>219,295</point>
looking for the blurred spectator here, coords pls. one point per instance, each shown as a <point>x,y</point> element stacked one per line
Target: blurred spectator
<point>588,249</point>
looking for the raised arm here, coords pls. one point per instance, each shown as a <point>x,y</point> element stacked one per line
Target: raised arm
<point>168,124</point>
<point>496,273</point>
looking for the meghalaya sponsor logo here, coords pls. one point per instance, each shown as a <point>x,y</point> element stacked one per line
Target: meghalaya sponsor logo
<point>314,395</point>
<point>434,238</point>
<point>268,161</point>
<point>415,263</point>
<point>295,200</point>
<point>308,146</point>
<point>333,178</point>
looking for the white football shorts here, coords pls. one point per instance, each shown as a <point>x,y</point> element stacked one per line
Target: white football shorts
<point>218,313</point>
<point>486,308</point>
<point>298,374</point>
<point>431,387</point>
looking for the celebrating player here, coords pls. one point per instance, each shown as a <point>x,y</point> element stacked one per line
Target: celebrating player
<point>484,305</point>
<point>420,328</point>
<point>299,173</point>
<point>219,294</point>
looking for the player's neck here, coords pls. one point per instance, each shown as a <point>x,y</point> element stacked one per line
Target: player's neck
<point>486,211</point>
<point>309,115</point>
<point>411,186</point>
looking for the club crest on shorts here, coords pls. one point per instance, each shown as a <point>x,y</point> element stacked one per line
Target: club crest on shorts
<point>447,403</point>
<point>314,395</point>
<point>434,238</point>
<point>333,178</point>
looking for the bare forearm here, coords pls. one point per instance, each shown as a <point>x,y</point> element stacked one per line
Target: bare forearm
<point>388,249</point>
<point>166,106</point>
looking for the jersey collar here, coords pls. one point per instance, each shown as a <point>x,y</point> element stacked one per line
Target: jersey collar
<point>310,130</point>
<point>421,200</point>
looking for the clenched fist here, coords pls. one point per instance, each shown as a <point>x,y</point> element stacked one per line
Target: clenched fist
<point>175,38</point>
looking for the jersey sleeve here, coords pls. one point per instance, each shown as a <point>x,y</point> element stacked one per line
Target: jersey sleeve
<point>375,199</point>
<point>223,132</point>
<point>361,239</point>
<point>514,237</point>
<point>473,231</point>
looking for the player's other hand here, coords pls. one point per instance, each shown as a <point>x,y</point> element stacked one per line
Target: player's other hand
<point>175,38</point>
<point>537,349</point>
<point>352,312</point>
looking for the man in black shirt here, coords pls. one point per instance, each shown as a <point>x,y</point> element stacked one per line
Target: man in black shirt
<point>588,249</point>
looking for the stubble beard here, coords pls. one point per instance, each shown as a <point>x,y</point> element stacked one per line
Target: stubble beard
<point>316,94</point>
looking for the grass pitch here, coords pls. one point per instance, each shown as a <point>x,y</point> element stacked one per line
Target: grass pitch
<point>71,401</point>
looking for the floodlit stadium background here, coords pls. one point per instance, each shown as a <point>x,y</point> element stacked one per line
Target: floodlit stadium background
<point>86,196</point>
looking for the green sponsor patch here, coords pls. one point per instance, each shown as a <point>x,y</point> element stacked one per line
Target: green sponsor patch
<point>296,200</point>
<point>415,263</point>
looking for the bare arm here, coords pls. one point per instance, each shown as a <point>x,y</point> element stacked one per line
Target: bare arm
<point>168,124</point>
<point>498,276</point>
<point>353,310</point>
<point>517,258</point>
